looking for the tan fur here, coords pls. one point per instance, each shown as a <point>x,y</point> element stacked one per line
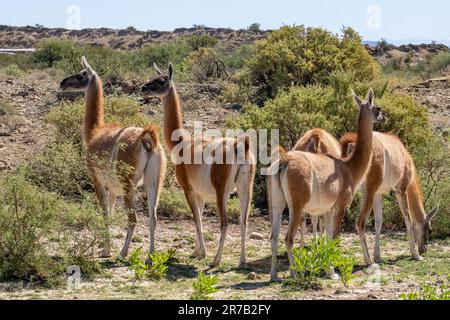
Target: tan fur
<point>203,182</point>
<point>117,160</point>
<point>391,167</point>
<point>317,183</point>
<point>317,141</point>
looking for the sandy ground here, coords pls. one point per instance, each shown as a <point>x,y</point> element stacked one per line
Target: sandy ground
<point>398,274</point>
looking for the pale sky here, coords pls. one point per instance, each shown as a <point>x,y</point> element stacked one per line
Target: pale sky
<point>398,20</point>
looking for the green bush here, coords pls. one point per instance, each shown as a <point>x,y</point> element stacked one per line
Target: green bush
<point>312,262</point>
<point>26,218</point>
<point>239,57</point>
<point>42,234</point>
<point>301,56</point>
<point>13,70</point>
<point>173,204</point>
<point>50,52</point>
<point>206,65</point>
<point>204,286</point>
<point>254,27</point>
<point>197,42</point>
<point>433,164</point>
<point>440,63</point>
<point>60,168</point>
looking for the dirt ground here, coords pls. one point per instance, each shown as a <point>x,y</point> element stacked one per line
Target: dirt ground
<point>398,274</point>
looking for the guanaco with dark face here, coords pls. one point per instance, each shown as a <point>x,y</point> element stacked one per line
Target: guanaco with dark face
<point>118,159</point>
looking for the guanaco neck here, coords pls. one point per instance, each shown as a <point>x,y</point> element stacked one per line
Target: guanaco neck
<point>415,201</point>
<point>360,160</point>
<point>94,112</point>
<point>173,119</point>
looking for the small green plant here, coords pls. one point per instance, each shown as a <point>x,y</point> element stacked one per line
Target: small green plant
<point>156,268</point>
<point>137,265</point>
<point>13,70</point>
<point>312,262</point>
<point>345,266</point>
<point>204,286</point>
<point>428,292</point>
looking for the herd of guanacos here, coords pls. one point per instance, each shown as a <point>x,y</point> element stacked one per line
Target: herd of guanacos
<point>319,176</point>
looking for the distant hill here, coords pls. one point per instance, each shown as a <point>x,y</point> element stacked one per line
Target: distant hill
<point>27,37</point>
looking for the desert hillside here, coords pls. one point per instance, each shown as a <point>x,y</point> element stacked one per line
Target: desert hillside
<point>28,37</point>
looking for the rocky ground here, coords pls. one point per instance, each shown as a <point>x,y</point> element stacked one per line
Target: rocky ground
<point>434,94</point>
<point>23,103</point>
<point>410,55</point>
<point>398,274</point>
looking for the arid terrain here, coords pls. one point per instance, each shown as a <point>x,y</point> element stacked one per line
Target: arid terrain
<point>31,96</point>
<point>398,274</point>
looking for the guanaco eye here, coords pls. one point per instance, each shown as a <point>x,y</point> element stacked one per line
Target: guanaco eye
<point>79,77</point>
<point>161,81</point>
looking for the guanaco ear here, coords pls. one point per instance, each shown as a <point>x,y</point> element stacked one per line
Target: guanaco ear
<point>87,66</point>
<point>171,71</point>
<point>357,99</point>
<point>370,97</point>
<point>157,69</point>
<point>432,214</point>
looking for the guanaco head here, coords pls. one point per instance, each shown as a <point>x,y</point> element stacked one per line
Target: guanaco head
<point>423,231</point>
<point>80,81</point>
<point>160,85</point>
<point>377,114</point>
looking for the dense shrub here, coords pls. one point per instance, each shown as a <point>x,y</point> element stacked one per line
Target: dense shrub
<point>13,70</point>
<point>206,65</point>
<point>107,62</point>
<point>26,217</point>
<point>433,164</point>
<point>173,204</point>
<point>301,56</point>
<point>42,234</point>
<point>50,52</point>
<point>59,169</point>
<point>197,42</point>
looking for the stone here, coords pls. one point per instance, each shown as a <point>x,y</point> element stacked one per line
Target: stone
<point>256,236</point>
<point>252,276</point>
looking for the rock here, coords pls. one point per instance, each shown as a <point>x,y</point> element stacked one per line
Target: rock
<point>4,131</point>
<point>181,244</point>
<point>256,236</point>
<point>4,165</point>
<point>252,276</point>
<point>23,93</point>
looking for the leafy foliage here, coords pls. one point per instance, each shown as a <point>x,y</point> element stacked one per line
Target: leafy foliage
<point>42,234</point>
<point>156,268</point>
<point>311,262</point>
<point>428,292</point>
<point>204,286</point>
<point>301,56</point>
